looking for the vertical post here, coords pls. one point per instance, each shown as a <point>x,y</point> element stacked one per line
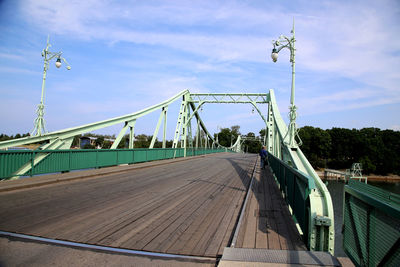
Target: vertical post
<point>39,124</point>
<point>164,142</point>
<point>184,127</point>
<point>197,134</point>
<point>131,134</point>
<point>178,125</point>
<point>292,112</point>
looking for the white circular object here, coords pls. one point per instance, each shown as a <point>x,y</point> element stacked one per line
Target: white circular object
<point>274,56</point>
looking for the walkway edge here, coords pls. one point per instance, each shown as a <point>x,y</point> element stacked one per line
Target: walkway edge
<point>243,209</point>
<point>107,249</point>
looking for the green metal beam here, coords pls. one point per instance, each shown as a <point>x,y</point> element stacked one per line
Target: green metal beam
<point>160,119</point>
<point>320,199</point>
<point>131,125</point>
<point>71,132</point>
<point>233,98</point>
<point>119,137</point>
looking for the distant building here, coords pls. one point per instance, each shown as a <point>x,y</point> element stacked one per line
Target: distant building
<point>87,140</point>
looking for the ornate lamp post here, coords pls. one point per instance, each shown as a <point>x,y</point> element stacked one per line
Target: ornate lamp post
<point>39,124</point>
<point>286,42</point>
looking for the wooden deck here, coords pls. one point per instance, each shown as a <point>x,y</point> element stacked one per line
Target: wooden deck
<point>268,223</point>
<point>187,207</point>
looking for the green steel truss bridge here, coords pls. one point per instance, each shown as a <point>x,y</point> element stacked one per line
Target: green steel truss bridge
<point>307,197</point>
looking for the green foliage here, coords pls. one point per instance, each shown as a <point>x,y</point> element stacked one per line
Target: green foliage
<point>99,141</point>
<point>88,146</point>
<point>338,148</point>
<point>142,141</point>
<point>4,137</point>
<point>252,146</point>
<point>228,135</point>
<point>106,144</point>
<point>262,133</point>
<point>317,144</point>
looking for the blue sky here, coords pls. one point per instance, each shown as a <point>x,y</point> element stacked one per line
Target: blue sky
<point>127,55</point>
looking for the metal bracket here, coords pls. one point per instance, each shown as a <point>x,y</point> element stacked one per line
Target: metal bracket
<point>322,221</point>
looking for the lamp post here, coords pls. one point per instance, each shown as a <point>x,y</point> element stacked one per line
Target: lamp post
<point>286,42</point>
<point>39,124</point>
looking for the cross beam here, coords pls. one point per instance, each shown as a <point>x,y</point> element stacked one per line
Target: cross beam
<point>235,98</point>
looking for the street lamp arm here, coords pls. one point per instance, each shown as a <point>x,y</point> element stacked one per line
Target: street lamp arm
<point>53,55</point>
<point>66,62</point>
<point>284,42</point>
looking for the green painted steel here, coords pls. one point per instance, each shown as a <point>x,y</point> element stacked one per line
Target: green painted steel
<point>296,188</point>
<point>231,98</point>
<point>371,225</point>
<point>320,233</point>
<point>321,218</point>
<point>39,124</point>
<point>76,159</point>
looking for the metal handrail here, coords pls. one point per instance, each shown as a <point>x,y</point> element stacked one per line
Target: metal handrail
<point>65,160</point>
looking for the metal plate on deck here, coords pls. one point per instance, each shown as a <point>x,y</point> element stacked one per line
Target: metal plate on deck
<point>279,256</point>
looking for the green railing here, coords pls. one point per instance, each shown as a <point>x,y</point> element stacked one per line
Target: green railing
<point>296,188</point>
<point>371,225</point>
<point>76,159</point>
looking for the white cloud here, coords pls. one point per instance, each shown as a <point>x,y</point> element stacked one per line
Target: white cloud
<point>395,127</point>
<point>353,40</point>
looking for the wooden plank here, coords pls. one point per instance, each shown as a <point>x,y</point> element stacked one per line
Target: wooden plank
<point>190,233</point>
<point>190,209</point>
<point>224,233</point>
<point>261,233</point>
<point>268,224</point>
<point>272,198</point>
<point>235,214</point>
<point>205,229</point>
<point>152,238</point>
<point>213,245</point>
<point>249,239</point>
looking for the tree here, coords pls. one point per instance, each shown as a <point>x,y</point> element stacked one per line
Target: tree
<point>253,146</point>
<point>316,145</point>
<point>106,144</point>
<point>227,135</point>
<point>88,146</point>
<point>99,141</point>
<point>262,133</point>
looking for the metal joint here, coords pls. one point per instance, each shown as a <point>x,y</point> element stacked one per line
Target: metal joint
<point>322,221</point>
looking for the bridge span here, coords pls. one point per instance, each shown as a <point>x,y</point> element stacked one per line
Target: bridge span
<point>189,206</point>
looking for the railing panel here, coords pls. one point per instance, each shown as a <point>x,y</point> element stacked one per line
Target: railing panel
<point>54,162</point>
<point>73,159</point>
<point>140,155</point>
<point>108,158</point>
<point>296,188</point>
<point>371,225</point>
<point>124,156</point>
<point>11,161</point>
<point>169,153</point>
<point>83,160</point>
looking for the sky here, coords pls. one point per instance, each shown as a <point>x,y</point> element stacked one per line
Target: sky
<point>129,55</point>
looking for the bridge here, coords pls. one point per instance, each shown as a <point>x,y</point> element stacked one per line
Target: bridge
<point>195,203</point>
<point>195,199</point>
